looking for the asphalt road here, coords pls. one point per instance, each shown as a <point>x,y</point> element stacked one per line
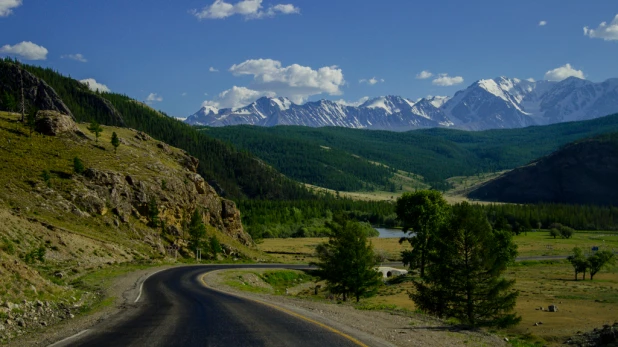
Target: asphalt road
<point>176,309</point>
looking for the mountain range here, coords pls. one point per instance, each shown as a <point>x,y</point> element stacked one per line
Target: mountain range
<point>486,104</point>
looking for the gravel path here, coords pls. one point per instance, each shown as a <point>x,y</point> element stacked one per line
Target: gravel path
<point>397,328</point>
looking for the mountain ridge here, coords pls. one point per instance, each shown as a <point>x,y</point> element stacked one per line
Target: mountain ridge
<point>486,104</point>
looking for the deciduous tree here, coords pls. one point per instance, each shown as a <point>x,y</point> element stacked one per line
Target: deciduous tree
<point>115,141</point>
<point>96,129</point>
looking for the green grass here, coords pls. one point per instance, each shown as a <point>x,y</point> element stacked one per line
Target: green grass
<point>280,280</point>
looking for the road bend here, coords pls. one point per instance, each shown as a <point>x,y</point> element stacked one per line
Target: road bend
<point>176,309</point>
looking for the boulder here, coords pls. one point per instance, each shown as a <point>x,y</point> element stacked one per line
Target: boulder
<point>53,123</point>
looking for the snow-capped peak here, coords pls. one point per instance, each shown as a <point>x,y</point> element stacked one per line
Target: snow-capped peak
<point>283,103</point>
<point>438,101</point>
<point>207,109</point>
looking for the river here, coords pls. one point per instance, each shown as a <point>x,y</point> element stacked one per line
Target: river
<point>389,233</point>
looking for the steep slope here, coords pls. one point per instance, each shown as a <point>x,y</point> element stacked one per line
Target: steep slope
<point>583,173</point>
<point>230,172</point>
<point>58,226</point>
<point>486,104</point>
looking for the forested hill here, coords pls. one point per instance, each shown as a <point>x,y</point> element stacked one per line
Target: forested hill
<point>235,174</point>
<point>310,154</point>
<point>583,173</point>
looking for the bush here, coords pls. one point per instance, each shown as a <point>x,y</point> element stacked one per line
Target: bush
<point>78,166</point>
<point>554,233</point>
<point>566,232</point>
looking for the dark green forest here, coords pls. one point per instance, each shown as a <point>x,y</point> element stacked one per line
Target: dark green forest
<point>436,154</point>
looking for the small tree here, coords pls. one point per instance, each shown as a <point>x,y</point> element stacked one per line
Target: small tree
<point>347,261</point>
<point>579,262</point>
<point>422,213</point>
<point>566,232</point>
<point>215,246</point>
<point>464,279</point>
<point>46,176</point>
<point>78,166</point>
<point>197,230</point>
<point>600,260</point>
<point>554,232</point>
<point>31,121</point>
<point>153,212</point>
<point>115,142</point>
<point>96,129</point>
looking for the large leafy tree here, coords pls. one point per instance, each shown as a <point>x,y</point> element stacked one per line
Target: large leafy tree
<point>347,261</point>
<point>600,260</point>
<point>422,214</point>
<point>579,262</point>
<point>464,278</point>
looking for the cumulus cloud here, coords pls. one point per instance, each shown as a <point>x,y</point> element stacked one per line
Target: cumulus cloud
<point>153,97</point>
<point>95,86</point>
<point>423,75</point>
<point>7,6</point>
<point>371,81</point>
<point>212,69</point>
<point>563,72</point>
<point>249,9</point>
<point>78,57</point>
<point>444,80</point>
<point>26,49</point>
<point>236,97</point>
<point>604,31</point>
<point>353,103</point>
<point>295,81</point>
<point>530,79</point>
<point>542,23</point>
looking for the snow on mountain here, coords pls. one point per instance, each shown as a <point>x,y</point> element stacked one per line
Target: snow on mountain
<point>486,104</point>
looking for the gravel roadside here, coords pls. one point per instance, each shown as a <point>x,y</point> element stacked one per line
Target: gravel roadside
<point>398,329</point>
<point>124,289</point>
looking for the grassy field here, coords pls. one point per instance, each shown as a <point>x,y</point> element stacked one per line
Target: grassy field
<point>583,305</point>
<point>532,244</point>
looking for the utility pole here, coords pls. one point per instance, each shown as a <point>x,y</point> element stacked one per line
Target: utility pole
<point>23,103</point>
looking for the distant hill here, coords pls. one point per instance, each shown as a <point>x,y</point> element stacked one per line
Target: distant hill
<point>584,172</point>
<point>232,173</point>
<point>329,155</point>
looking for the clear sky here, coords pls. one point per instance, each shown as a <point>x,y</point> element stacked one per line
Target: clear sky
<point>178,55</point>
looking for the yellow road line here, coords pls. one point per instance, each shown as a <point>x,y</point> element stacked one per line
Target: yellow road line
<point>292,313</point>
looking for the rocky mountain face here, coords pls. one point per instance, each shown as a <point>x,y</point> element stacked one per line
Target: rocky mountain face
<point>581,173</point>
<point>486,104</point>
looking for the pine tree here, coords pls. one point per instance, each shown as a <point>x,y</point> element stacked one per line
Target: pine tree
<point>347,262</point>
<point>96,129</point>
<point>422,213</point>
<point>31,121</point>
<point>215,246</point>
<point>78,165</point>
<point>197,230</point>
<point>115,141</point>
<point>464,279</point>
<point>153,212</point>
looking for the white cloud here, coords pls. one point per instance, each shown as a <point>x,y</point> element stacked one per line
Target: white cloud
<point>294,81</point>
<point>79,57</point>
<point>353,103</point>
<point>562,72</point>
<point>249,9</point>
<point>236,97</point>
<point>530,79</point>
<point>7,6</point>
<point>542,23</point>
<point>153,97</point>
<point>212,69</point>
<point>444,80</point>
<point>95,86</point>
<point>423,75</point>
<point>183,94</point>
<point>604,31</point>
<point>26,49</point>
<point>372,80</point>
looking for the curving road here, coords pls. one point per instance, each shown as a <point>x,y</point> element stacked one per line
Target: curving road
<point>176,309</point>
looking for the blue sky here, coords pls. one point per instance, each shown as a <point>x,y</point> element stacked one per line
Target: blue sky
<point>162,51</point>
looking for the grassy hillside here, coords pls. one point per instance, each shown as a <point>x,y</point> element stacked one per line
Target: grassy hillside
<point>435,154</point>
<point>233,173</point>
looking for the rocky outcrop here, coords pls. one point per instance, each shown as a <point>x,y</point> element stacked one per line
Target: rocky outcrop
<point>175,193</point>
<point>36,92</point>
<point>53,123</point>
<point>581,173</point>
